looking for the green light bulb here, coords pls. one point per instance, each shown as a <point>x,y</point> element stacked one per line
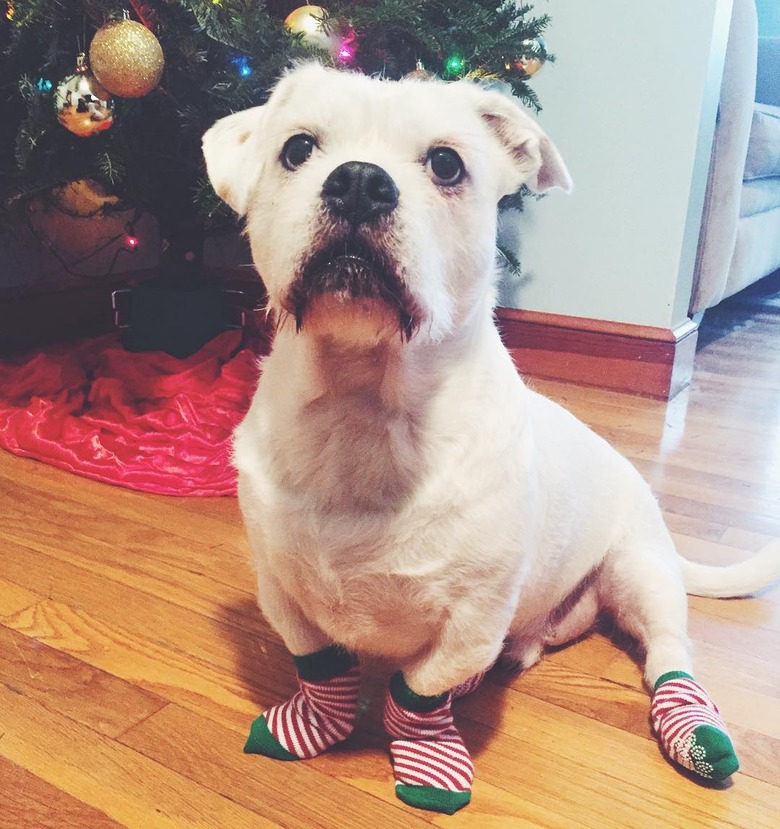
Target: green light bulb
<point>454,64</point>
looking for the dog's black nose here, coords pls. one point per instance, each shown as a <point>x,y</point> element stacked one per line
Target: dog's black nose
<point>358,192</point>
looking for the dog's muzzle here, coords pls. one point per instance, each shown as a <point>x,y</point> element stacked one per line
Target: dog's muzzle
<point>352,264</point>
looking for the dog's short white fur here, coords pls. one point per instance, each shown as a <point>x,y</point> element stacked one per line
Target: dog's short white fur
<point>405,494</point>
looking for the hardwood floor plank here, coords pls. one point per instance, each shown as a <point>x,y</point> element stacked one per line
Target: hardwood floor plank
<point>66,685</point>
<point>27,802</point>
<point>111,778</point>
<point>583,766</point>
<point>205,752</point>
<point>716,491</point>
<point>609,702</point>
<point>14,598</point>
<point>758,521</point>
<point>231,631</point>
<point>744,539</point>
<point>590,696</point>
<point>148,559</point>
<point>205,520</point>
<point>170,674</point>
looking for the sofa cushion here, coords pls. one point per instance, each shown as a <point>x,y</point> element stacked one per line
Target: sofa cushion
<point>763,156</point>
<point>759,195</point>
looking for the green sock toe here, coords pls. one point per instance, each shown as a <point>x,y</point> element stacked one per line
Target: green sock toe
<point>713,754</point>
<point>431,798</point>
<point>261,741</point>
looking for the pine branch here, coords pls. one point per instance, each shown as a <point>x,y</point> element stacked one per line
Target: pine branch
<point>110,169</point>
<point>151,156</point>
<point>508,260</point>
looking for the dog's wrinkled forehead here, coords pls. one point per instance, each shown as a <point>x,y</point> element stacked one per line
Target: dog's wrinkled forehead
<point>353,109</point>
<point>353,115</point>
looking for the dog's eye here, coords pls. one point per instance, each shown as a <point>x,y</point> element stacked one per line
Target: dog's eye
<point>446,166</point>
<point>296,150</point>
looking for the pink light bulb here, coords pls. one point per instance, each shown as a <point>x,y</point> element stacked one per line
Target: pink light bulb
<point>346,52</point>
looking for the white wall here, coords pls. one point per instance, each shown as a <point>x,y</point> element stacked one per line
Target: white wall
<point>631,104</point>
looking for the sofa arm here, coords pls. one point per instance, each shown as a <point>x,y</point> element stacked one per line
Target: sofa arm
<point>768,75</point>
<point>729,150</point>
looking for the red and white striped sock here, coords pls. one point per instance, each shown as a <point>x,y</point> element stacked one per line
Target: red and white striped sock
<point>432,766</point>
<point>320,715</point>
<point>469,685</point>
<point>690,729</point>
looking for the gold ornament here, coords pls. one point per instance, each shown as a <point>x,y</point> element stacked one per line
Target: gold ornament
<point>420,73</point>
<point>126,58</point>
<point>532,58</point>
<point>307,21</point>
<point>83,106</point>
<point>84,198</point>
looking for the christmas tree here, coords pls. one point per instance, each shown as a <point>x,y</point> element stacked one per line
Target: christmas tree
<point>116,94</point>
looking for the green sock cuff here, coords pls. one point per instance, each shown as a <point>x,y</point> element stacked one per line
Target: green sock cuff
<point>407,698</point>
<point>431,798</point>
<point>326,664</point>
<point>671,675</point>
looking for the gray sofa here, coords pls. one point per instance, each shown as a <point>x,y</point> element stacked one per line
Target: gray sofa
<point>740,233</point>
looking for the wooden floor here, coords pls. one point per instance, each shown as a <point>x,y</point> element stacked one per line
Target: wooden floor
<point>132,658</point>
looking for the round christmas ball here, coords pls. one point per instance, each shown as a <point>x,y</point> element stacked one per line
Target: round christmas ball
<point>532,58</point>
<point>83,106</point>
<point>126,58</point>
<point>307,21</point>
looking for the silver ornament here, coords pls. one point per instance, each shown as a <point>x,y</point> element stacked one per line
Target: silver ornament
<point>83,106</point>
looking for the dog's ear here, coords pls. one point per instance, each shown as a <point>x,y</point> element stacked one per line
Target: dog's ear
<point>534,158</point>
<point>231,162</point>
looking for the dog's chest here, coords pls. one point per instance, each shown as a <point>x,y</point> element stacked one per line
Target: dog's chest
<point>354,456</point>
<point>388,614</point>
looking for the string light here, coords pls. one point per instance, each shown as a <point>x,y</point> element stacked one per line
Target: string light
<point>243,64</point>
<point>131,242</point>
<point>454,64</point>
<point>346,52</point>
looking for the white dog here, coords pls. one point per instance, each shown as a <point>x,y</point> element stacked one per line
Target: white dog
<point>404,493</point>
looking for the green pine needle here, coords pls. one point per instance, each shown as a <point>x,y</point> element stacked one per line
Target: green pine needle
<point>151,155</point>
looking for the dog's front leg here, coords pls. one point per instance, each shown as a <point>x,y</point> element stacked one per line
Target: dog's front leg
<point>432,767</point>
<point>287,618</point>
<point>324,710</point>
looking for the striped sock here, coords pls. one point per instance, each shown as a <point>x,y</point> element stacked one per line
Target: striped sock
<point>690,729</point>
<point>432,767</point>
<point>321,714</point>
<point>469,685</point>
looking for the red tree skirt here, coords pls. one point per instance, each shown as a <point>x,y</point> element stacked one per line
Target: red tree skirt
<point>143,421</point>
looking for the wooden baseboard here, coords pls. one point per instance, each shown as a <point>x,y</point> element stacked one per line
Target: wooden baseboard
<point>639,359</point>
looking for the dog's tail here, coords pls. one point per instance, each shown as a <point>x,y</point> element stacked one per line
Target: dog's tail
<point>734,580</point>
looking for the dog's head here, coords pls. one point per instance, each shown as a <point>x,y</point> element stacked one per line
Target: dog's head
<point>371,204</point>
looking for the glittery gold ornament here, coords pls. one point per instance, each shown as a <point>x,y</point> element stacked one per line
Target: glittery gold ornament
<point>307,21</point>
<point>83,106</point>
<point>126,58</point>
